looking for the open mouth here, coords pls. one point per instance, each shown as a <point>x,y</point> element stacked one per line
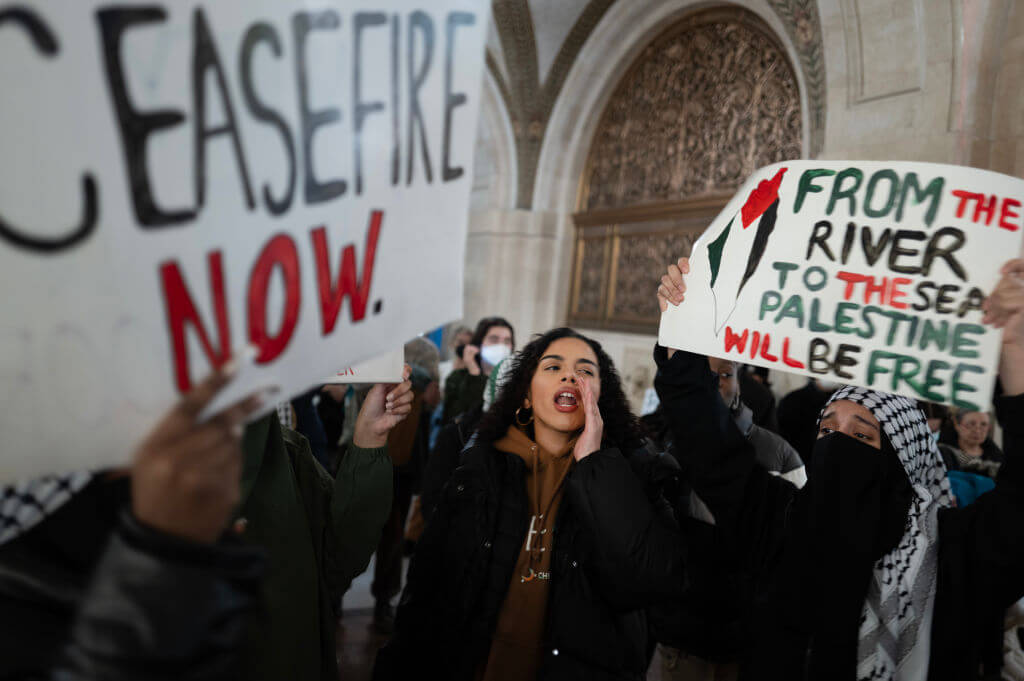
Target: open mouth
<point>567,401</point>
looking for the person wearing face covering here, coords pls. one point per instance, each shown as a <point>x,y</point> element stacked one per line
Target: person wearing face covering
<point>868,572</point>
<point>550,539</point>
<point>493,341</point>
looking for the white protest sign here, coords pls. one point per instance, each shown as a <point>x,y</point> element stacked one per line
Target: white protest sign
<point>866,273</point>
<point>384,369</point>
<point>182,179</point>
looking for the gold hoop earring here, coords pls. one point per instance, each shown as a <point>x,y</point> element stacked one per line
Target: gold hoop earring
<point>520,423</point>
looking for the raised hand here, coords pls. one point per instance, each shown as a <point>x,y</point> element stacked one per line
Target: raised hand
<point>589,440</point>
<point>1004,309</point>
<point>672,288</point>
<point>185,474</point>
<point>385,406</point>
<point>470,356</point>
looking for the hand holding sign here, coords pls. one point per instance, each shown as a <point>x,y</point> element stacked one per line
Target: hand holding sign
<point>673,288</point>
<point>185,474</point>
<point>384,408</point>
<point>1004,309</point>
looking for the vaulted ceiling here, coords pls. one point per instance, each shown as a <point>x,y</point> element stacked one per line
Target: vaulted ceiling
<point>532,45</point>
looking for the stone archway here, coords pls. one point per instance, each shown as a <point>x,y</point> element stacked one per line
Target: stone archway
<point>704,104</point>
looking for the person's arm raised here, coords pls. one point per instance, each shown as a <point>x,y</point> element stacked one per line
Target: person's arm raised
<point>1004,309</point>
<point>990,532</point>
<point>185,474</point>
<point>688,390</point>
<point>167,599</point>
<point>362,490</point>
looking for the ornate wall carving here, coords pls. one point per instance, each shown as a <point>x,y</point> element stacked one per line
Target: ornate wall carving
<point>704,105</point>
<point>530,101</point>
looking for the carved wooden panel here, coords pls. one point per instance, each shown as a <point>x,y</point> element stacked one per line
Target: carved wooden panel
<point>640,262</point>
<point>591,267</point>
<point>706,103</point>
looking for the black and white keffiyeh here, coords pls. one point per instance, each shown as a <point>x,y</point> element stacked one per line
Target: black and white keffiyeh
<point>25,504</point>
<point>894,639</point>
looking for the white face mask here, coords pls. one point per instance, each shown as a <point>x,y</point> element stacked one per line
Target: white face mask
<point>493,354</point>
<point>935,435</point>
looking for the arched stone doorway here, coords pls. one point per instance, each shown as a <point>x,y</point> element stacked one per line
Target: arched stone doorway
<point>709,100</point>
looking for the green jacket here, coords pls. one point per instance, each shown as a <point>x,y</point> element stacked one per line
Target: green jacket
<point>319,535</point>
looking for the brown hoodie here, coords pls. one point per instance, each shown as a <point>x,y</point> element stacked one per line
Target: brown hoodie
<point>516,651</point>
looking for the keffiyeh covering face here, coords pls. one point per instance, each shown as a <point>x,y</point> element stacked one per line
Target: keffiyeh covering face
<point>25,504</point>
<point>894,641</point>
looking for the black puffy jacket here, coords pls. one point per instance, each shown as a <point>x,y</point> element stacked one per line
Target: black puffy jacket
<point>617,552</point>
<point>91,594</point>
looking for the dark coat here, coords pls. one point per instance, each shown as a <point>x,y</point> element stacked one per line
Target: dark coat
<point>462,392</point>
<point>112,600</point>
<point>319,534</point>
<point>313,535</point>
<point>616,552</point>
<point>444,458</point>
<point>981,547</point>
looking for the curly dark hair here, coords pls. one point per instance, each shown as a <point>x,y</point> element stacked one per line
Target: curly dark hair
<point>621,428</point>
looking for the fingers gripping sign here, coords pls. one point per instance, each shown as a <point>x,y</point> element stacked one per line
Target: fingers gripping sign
<point>384,408</point>
<point>1004,308</point>
<point>186,473</point>
<point>589,441</point>
<point>673,288</point>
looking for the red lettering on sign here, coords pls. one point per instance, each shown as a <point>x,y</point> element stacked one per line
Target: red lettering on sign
<point>181,311</point>
<point>331,296</point>
<point>733,340</point>
<point>279,252</point>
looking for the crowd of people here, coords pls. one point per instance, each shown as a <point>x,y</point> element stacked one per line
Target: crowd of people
<point>843,533</point>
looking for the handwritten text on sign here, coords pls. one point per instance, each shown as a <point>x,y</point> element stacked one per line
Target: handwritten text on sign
<point>180,180</point>
<point>866,273</point>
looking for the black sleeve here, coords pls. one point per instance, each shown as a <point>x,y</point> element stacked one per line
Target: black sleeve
<point>421,636</point>
<point>991,530</point>
<point>642,554</point>
<point>162,608</point>
<point>981,559</point>
<point>706,440</point>
<point>442,461</point>
<point>749,505</point>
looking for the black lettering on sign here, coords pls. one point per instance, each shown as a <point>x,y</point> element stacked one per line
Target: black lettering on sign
<point>303,23</point>
<point>136,127</point>
<point>204,57</point>
<point>418,21</point>
<point>46,43</point>
<point>451,100</point>
<point>260,33</point>
<point>819,237</point>
<point>361,109</point>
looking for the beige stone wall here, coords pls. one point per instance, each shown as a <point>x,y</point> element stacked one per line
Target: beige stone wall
<point>919,80</point>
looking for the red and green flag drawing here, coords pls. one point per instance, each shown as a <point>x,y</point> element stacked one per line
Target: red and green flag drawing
<point>737,241</point>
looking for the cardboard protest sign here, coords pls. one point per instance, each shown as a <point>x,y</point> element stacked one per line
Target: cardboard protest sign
<point>865,273</point>
<point>181,180</point>
<point>384,369</point>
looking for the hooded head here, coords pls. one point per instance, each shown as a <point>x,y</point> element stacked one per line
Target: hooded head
<point>890,490</point>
